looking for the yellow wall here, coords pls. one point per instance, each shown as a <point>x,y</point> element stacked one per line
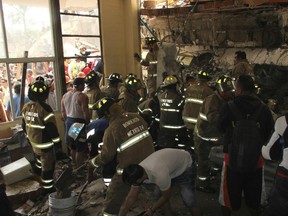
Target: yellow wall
<point>120,36</point>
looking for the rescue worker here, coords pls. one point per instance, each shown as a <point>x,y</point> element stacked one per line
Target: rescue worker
<point>68,83</point>
<point>93,92</point>
<point>194,96</point>
<point>276,150</point>
<point>130,95</point>
<point>172,131</point>
<point>151,62</point>
<point>241,65</point>
<point>39,125</point>
<point>95,133</point>
<point>149,111</point>
<point>74,108</point>
<point>112,90</point>
<point>127,138</point>
<point>75,67</point>
<point>206,134</point>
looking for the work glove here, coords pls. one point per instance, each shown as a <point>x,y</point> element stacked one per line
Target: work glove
<point>137,57</point>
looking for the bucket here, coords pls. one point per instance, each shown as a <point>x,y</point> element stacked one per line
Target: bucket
<point>62,207</point>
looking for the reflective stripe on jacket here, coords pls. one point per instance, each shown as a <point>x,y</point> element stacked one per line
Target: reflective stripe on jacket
<point>40,125</point>
<point>126,136</point>
<point>194,97</point>
<point>206,127</point>
<point>171,105</point>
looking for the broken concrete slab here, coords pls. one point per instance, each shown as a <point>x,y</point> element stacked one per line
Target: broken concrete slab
<point>21,191</point>
<point>16,171</point>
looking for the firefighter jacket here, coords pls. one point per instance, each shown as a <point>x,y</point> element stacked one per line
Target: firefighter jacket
<point>206,126</point>
<point>242,67</point>
<point>110,91</point>
<point>151,62</point>
<point>148,110</point>
<point>194,97</point>
<point>39,124</point>
<point>171,105</point>
<point>128,139</point>
<point>130,101</point>
<point>94,94</point>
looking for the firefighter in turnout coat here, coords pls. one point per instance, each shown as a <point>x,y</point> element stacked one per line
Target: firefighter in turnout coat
<point>206,133</point>
<point>39,124</point>
<point>126,138</point>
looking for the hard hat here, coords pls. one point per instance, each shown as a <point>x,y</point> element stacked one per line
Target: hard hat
<point>39,78</point>
<point>67,80</point>
<point>202,75</point>
<point>38,91</point>
<point>86,70</point>
<point>131,75</point>
<point>91,78</point>
<point>132,83</point>
<point>225,83</point>
<point>115,77</point>
<point>81,75</point>
<point>150,40</point>
<point>169,80</point>
<point>103,105</point>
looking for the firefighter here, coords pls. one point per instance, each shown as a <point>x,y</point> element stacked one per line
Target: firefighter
<point>93,92</point>
<point>206,134</point>
<point>149,111</point>
<point>151,62</point>
<point>130,94</point>
<point>112,90</point>
<point>127,138</point>
<point>194,96</point>
<point>172,132</point>
<point>95,133</point>
<point>75,67</point>
<point>39,124</point>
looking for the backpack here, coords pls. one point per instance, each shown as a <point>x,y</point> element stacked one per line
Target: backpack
<point>245,147</point>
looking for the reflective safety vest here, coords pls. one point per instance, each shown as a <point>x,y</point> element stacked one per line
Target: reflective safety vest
<point>171,105</point>
<point>40,125</point>
<point>194,97</point>
<point>76,67</point>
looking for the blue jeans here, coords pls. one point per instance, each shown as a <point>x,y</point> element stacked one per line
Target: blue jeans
<point>187,184</point>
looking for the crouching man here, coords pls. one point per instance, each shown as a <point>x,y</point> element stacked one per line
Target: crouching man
<point>163,168</point>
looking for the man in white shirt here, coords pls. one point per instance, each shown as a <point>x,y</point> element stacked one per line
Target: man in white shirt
<point>163,168</point>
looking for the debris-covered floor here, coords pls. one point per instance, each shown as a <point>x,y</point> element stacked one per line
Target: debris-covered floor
<point>27,199</point>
